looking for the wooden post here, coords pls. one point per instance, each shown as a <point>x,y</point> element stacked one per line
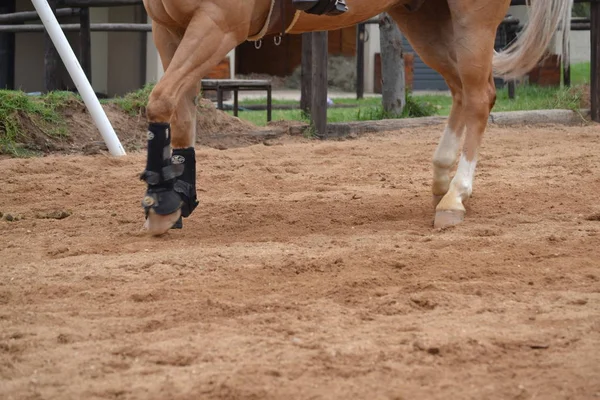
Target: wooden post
<point>360,61</point>
<point>566,62</point>
<point>318,103</point>
<point>7,51</point>
<point>595,59</point>
<point>511,35</point>
<point>141,17</point>
<point>51,59</point>
<point>392,67</point>
<point>85,42</point>
<point>511,89</point>
<point>306,73</point>
<point>269,104</point>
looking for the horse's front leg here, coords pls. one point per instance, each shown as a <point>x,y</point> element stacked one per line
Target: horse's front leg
<point>170,170</point>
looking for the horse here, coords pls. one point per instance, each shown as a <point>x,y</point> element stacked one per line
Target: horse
<point>454,37</point>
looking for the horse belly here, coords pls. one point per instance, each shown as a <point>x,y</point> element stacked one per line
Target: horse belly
<point>358,11</point>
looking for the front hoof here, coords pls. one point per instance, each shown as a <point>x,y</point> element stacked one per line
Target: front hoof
<point>157,224</point>
<point>447,218</point>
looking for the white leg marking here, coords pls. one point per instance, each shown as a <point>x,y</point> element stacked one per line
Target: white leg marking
<point>443,160</point>
<point>461,186</point>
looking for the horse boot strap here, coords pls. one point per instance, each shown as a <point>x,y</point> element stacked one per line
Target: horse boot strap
<point>185,183</point>
<point>160,172</point>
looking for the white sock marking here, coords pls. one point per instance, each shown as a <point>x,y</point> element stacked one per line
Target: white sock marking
<point>443,159</point>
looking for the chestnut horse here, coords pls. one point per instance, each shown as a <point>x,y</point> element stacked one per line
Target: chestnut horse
<point>454,37</point>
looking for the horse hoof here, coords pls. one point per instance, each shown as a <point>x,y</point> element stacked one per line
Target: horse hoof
<point>446,218</point>
<point>158,225</point>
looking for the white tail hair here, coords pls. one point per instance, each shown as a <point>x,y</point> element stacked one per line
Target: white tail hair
<point>521,56</point>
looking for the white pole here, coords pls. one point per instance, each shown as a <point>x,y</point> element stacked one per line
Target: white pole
<point>83,85</point>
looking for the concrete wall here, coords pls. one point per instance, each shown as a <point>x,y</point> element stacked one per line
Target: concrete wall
<point>29,55</point>
<point>99,51</point>
<point>118,63</point>
<point>580,46</point>
<point>579,40</point>
<point>126,52</point>
<point>372,46</point>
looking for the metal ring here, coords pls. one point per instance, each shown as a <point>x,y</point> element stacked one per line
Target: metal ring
<point>277,40</point>
<point>258,44</point>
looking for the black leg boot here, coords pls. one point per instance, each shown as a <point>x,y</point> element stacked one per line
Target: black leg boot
<point>185,184</point>
<point>160,173</point>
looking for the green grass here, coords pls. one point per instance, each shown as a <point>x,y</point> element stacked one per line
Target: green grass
<point>43,112</point>
<point>133,103</point>
<point>580,73</point>
<point>539,98</point>
<point>527,98</point>
<point>366,109</point>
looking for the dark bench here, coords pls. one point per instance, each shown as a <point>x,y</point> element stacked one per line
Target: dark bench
<point>236,85</point>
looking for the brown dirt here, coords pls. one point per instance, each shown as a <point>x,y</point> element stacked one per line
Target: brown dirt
<point>215,129</point>
<point>310,270</point>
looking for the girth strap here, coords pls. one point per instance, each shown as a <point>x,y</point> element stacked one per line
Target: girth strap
<point>284,13</point>
<point>281,17</point>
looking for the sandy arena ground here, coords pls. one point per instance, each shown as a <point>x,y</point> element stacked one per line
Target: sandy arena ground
<point>310,271</point>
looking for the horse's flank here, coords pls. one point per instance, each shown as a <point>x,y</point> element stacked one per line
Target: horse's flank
<point>359,11</point>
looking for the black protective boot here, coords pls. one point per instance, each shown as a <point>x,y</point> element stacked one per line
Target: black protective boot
<point>185,184</point>
<point>160,173</point>
<point>321,7</point>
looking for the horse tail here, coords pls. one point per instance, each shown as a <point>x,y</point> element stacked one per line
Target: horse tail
<point>524,53</point>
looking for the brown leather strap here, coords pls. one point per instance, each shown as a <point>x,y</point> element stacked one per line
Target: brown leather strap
<point>282,17</point>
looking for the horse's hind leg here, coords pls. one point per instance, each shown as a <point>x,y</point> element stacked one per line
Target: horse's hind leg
<point>474,33</point>
<point>430,33</point>
<point>171,114</point>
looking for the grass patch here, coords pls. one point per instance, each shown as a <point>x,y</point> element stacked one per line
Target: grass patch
<point>366,109</point>
<point>539,98</point>
<point>416,107</point>
<point>43,111</point>
<point>581,74</point>
<point>527,98</point>
<point>134,103</point>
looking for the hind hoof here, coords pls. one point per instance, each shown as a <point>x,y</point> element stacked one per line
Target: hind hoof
<point>446,218</point>
<point>157,225</point>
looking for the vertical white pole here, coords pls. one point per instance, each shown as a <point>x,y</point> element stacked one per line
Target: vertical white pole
<point>83,85</point>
